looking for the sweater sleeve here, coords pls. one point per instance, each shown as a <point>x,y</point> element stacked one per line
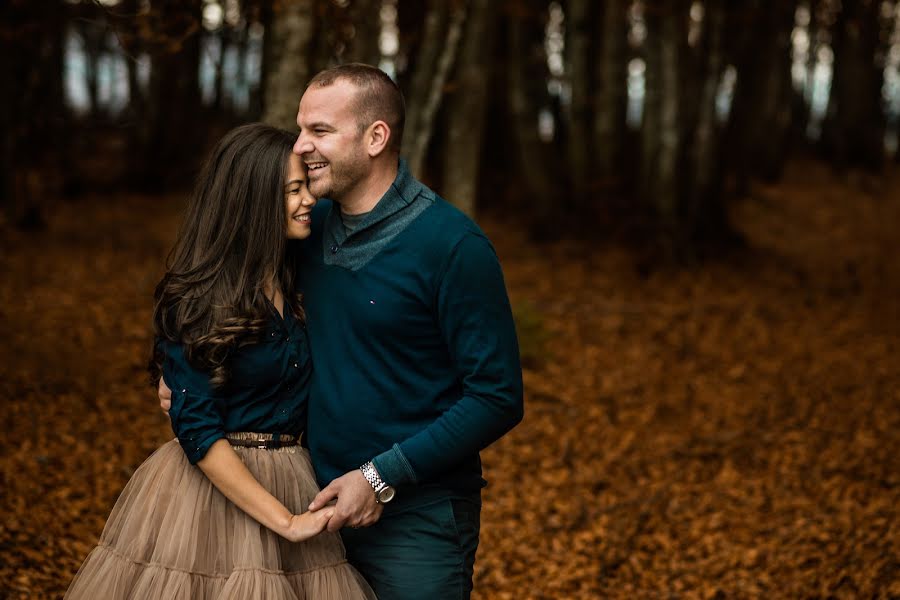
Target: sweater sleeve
<point>197,412</point>
<point>476,322</point>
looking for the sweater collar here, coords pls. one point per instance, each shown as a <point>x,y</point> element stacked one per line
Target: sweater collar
<point>401,194</point>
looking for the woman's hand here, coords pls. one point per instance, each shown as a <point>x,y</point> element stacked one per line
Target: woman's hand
<point>230,475</point>
<point>307,525</point>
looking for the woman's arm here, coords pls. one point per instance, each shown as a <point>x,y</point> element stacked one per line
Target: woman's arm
<point>197,418</point>
<point>230,475</point>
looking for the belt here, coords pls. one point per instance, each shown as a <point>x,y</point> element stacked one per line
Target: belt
<point>263,441</point>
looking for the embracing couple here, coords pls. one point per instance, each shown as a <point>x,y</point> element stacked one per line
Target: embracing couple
<point>363,343</point>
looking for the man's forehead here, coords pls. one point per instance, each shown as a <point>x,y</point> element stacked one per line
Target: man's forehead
<point>332,115</point>
<point>338,96</point>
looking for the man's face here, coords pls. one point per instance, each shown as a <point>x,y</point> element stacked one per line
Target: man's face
<point>330,142</point>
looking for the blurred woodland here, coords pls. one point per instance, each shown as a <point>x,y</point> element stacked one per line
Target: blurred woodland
<point>696,205</point>
<point>580,115</point>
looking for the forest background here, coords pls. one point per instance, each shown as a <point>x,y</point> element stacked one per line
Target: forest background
<point>695,203</point>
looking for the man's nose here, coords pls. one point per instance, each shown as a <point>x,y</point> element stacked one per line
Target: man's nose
<point>302,145</point>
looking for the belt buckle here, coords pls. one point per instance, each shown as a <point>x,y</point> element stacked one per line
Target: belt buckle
<point>262,445</point>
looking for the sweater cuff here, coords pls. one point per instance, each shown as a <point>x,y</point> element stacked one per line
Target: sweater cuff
<point>393,467</point>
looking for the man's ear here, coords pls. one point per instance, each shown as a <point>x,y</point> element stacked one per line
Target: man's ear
<point>377,138</point>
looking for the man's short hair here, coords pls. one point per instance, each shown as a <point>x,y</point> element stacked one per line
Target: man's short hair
<point>378,98</point>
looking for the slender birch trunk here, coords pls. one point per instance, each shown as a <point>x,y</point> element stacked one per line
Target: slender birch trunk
<point>428,103</point>
<point>434,31</point>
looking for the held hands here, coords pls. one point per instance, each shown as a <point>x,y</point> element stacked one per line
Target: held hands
<point>307,525</point>
<point>356,506</point>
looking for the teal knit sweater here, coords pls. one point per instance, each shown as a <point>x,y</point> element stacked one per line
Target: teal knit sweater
<point>415,358</point>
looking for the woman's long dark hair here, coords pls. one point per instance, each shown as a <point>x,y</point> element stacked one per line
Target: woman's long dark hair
<point>212,298</point>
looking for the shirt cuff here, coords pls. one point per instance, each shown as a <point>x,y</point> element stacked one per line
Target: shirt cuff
<point>196,448</point>
<point>393,467</point>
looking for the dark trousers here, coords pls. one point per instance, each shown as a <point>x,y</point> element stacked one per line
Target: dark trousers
<point>419,552</point>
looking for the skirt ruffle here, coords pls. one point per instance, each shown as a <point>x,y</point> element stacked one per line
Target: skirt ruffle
<point>172,534</point>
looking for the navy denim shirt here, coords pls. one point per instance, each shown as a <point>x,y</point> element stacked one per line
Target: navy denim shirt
<point>267,392</point>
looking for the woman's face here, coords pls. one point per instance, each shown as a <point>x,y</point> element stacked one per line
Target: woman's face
<point>298,202</point>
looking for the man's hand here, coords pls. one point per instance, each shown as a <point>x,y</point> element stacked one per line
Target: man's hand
<point>165,396</point>
<point>356,506</point>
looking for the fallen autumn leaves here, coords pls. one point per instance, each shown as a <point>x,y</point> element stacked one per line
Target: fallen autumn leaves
<point>725,432</point>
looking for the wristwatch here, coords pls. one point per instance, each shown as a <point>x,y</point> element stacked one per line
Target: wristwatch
<point>383,492</point>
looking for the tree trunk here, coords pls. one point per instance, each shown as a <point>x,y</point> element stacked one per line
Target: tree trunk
<point>94,36</point>
<point>706,208</point>
<point>173,136</point>
<point>288,51</point>
<point>853,131</point>
<point>365,15</point>
<point>34,118</point>
<point>761,112</point>
<point>220,81</point>
<point>241,45</point>
<point>411,25</point>
<point>772,140</point>
<point>429,81</point>
<point>578,64</point>
<point>527,95</point>
<point>611,91</point>
<point>650,114</point>
<point>423,64</point>
<point>662,126</point>
<point>466,110</point>
<point>325,37</point>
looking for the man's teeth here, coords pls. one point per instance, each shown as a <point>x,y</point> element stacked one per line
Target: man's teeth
<point>315,166</point>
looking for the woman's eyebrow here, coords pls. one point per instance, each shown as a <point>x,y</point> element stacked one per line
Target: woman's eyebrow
<point>293,181</point>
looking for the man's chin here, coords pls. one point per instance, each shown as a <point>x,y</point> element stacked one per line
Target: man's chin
<point>319,189</point>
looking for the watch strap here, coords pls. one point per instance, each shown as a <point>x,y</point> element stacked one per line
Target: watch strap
<point>371,474</point>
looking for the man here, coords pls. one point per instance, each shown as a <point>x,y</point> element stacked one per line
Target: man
<point>416,364</point>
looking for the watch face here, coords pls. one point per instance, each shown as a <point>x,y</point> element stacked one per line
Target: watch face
<point>386,495</point>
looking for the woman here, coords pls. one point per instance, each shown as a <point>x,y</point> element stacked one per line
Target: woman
<point>218,513</point>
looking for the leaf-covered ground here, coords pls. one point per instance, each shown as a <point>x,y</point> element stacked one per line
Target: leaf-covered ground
<point>727,431</point>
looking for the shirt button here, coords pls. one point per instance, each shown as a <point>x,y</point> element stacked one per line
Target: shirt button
<point>296,365</point>
<point>335,248</point>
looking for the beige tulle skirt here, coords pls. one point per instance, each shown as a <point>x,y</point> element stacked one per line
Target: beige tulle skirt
<point>173,535</point>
